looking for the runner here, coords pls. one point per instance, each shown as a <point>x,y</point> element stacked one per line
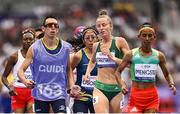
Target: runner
<point>52,73</point>
<point>21,99</point>
<point>80,61</point>
<point>107,95</point>
<point>144,63</point>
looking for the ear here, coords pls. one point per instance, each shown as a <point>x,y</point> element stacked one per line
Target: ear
<point>155,37</point>
<point>43,28</point>
<point>138,36</point>
<point>111,25</point>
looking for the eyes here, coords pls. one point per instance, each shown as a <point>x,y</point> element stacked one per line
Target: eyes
<point>102,25</point>
<point>50,25</point>
<point>28,39</point>
<point>88,37</point>
<point>147,35</point>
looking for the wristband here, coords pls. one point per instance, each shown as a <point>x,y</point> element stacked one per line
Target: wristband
<point>68,91</point>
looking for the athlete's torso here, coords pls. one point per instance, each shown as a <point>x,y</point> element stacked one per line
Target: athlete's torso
<point>28,73</point>
<point>86,88</point>
<point>106,66</point>
<point>103,60</point>
<point>144,68</point>
<point>50,71</point>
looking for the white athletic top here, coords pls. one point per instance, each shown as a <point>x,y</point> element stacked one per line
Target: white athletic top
<point>28,73</point>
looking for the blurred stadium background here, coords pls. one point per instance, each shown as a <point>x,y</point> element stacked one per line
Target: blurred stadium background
<point>127,15</point>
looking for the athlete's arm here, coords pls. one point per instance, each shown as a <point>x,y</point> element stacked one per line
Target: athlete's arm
<point>24,66</point>
<point>74,89</point>
<point>75,59</point>
<point>166,73</point>
<point>69,74</point>
<point>124,46</point>
<point>11,61</point>
<point>125,61</point>
<point>91,63</point>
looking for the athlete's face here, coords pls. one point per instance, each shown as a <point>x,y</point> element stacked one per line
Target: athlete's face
<point>103,26</point>
<point>51,27</point>
<point>27,40</point>
<point>147,36</point>
<point>89,38</point>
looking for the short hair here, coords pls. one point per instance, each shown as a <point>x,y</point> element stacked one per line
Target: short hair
<point>48,16</point>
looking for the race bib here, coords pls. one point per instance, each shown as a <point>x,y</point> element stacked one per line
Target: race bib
<point>104,59</point>
<point>145,71</point>
<point>50,90</point>
<point>91,83</point>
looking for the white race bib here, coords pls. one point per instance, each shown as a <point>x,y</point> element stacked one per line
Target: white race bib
<point>104,59</point>
<point>50,90</point>
<point>91,83</point>
<point>145,71</point>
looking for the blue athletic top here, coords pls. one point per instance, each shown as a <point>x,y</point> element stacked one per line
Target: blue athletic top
<point>81,70</point>
<point>49,72</point>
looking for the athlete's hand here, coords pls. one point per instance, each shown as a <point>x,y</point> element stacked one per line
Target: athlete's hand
<point>75,91</point>
<point>107,52</point>
<point>29,83</point>
<point>111,56</point>
<point>173,88</point>
<point>85,78</point>
<point>12,91</point>
<point>124,88</point>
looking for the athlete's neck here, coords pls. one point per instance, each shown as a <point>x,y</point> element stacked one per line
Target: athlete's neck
<point>23,52</point>
<point>107,39</point>
<point>146,50</point>
<point>50,42</point>
<point>87,50</point>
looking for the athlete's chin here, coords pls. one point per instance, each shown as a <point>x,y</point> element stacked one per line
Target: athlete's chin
<point>52,35</point>
<point>147,43</point>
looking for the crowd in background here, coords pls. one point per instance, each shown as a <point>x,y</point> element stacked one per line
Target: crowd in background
<point>164,14</point>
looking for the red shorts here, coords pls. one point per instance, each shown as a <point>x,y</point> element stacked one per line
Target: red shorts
<point>142,99</point>
<point>22,99</point>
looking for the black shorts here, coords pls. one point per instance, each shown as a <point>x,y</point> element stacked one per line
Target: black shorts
<point>58,106</point>
<point>83,106</point>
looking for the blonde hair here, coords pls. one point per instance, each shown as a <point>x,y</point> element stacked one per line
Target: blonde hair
<point>103,13</point>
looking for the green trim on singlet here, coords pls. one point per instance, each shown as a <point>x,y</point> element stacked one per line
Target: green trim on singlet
<point>113,48</point>
<point>138,58</point>
<point>109,90</point>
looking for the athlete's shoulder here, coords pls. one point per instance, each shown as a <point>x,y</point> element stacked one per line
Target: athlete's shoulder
<point>120,39</point>
<point>78,55</point>
<point>66,44</point>
<point>134,51</point>
<point>155,50</point>
<point>13,57</point>
<point>36,43</point>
